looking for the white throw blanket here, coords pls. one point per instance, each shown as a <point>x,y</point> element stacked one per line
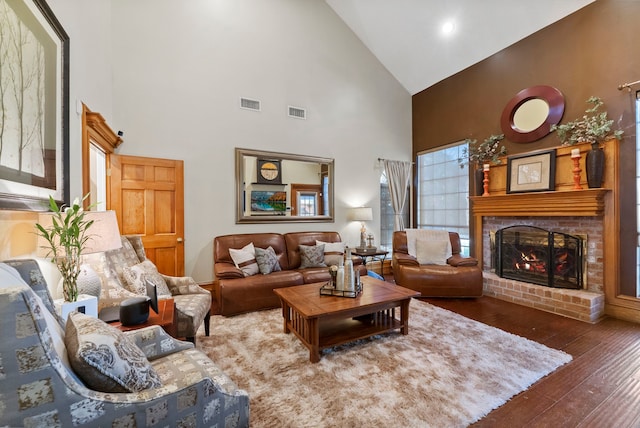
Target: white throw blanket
<point>426,235</point>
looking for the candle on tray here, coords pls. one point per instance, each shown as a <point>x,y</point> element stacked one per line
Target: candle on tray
<point>575,153</point>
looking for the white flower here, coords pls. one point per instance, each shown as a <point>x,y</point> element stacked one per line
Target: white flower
<point>75,206</point>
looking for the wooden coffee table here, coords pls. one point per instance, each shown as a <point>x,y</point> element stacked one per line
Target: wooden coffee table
<point>322,321</point>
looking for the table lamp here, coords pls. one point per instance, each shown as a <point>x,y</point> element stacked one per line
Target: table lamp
<point>362,214</point>
<point>104,235</point>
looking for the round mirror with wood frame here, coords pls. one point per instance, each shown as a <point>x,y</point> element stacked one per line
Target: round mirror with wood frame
<point>529,115</point>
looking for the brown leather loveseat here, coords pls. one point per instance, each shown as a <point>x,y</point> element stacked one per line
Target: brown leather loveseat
<point>460,277</point>
<point>237,294</point>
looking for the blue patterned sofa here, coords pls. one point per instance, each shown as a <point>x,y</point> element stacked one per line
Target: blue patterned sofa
<point>39,388</point>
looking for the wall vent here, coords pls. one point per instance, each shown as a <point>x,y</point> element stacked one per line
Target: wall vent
<point>249,104</point>
<point>297,112</point>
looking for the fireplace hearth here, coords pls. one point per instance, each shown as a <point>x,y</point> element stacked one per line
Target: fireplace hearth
<point>539,256</point>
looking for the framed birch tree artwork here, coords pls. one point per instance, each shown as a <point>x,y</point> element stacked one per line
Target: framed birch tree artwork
<point>34,106</point>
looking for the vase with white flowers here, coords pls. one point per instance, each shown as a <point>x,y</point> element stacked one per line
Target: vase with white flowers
<point>66,237</point>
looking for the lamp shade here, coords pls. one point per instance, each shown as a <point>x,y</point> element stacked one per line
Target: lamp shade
<point>361,214</point>
<point>104,234</point>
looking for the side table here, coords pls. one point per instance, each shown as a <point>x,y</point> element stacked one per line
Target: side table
<point>86,304</point>
<point>371,256</point>
<point>165,318</point>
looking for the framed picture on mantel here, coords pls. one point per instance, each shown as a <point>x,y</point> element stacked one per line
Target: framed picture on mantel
<point>531,172</point>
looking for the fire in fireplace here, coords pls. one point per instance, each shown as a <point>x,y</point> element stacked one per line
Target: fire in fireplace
<point>532,254</point>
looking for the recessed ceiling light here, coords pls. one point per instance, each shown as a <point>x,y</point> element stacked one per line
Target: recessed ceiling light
<point>448,27</point>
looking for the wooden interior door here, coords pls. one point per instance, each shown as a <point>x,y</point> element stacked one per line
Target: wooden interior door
<point>311,189</point>
<point>147,195</point>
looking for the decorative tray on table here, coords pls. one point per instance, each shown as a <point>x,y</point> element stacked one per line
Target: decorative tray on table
<point>329,290</point>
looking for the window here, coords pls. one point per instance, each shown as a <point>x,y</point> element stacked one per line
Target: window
<point>98,142</point>
<point>325,195</point>
<point>98,177</point>
<point>443,192</point>
<point>387,215</point>
<point>307,203</point>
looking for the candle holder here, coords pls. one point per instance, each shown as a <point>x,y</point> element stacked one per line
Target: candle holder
<point>575,157</point>
<point>485,182</point>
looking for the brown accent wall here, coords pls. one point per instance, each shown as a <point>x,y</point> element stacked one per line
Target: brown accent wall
<point>588,53</point>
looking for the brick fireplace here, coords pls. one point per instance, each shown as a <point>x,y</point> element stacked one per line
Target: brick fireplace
<point>592,213</point>
<point>586,304</point>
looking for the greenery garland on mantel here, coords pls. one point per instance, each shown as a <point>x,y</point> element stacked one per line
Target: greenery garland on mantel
<point>489,151</point>
<point>594,127</point>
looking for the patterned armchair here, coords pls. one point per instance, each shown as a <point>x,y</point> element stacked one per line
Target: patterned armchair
<point>117,270</point>
<point>39,388</point>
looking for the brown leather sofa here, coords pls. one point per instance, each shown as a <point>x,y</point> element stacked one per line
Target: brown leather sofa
<point>461,277</point>
<point>237,294</point>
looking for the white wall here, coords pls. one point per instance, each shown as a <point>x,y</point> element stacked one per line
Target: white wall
<point>169,73</point>
<point>88,25</point>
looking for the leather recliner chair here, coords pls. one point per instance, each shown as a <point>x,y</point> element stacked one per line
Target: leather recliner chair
<point>460,277</point>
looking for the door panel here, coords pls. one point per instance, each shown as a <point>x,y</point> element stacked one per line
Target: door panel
<point>133,212</point>
<point>165,219</point>
<point>147,195</point>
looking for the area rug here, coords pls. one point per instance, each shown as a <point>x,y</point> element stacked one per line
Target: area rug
<point>449,371</point>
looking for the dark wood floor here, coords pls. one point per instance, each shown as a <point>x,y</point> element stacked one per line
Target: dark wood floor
<point>599,388</point>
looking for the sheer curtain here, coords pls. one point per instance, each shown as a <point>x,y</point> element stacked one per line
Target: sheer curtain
<point>398,176</point>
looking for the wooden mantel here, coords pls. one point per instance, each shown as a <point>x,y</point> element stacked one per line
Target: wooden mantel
<point>567,203</point>
<point>580,203</point>
<point>563,202</point>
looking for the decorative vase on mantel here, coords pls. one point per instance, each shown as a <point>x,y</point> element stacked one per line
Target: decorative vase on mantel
<point>478,179</point>
<point>595,166</point>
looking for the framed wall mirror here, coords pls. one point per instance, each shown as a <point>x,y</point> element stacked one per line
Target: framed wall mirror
<point>276,187</point>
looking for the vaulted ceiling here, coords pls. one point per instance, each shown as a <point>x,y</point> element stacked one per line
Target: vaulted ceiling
<point>408,38</point>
